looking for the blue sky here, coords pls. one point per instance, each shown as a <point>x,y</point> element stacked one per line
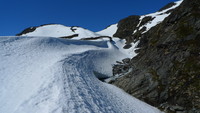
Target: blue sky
<point>16,15</point>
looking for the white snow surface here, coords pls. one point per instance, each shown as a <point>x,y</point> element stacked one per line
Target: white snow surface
<point>109,31</point>
<point>53,75</point>
<point>57,30</point>
<point>158,17</point>
<point>120,43</point>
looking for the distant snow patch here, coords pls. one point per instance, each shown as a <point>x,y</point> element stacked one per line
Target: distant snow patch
<point>57,30</point>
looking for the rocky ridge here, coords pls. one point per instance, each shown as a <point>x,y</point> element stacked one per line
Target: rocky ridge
<point>166,71</point>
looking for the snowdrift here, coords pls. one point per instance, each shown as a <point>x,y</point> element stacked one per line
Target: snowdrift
<point>53,75</point>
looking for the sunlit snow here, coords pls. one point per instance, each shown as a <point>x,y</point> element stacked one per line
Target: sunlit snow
<point>57,30</point>
<point>53,75</point>
<point>158,17</point>
<point>109,31</point>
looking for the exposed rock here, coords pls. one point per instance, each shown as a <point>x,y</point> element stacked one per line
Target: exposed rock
<point>127,46</point>
<point>31,29</point>
<point>99,37</point>
<point>127,26</point>
<point>27,30</point>
<point>121,67</point>
<point>126,60</point>
<point>166,71</point>
<point>73,28</point>
<point>69,37</point>
<point>167,6</point>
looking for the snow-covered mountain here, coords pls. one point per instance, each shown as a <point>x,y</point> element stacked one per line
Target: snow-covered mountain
<point>157,17</point>
<point>54,75</point>
<point>144,23</point>
<point>40,72</point>
<point>57,30</point>
<point>135,26</point>
<point>109,31</point>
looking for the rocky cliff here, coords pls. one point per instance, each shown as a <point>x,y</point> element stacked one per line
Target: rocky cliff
<point>166,71</point>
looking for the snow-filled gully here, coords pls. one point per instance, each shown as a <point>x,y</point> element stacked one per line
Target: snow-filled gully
<point>87,93</point>
<point>52,75</point>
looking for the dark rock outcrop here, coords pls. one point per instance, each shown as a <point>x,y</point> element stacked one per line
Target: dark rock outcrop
<point>130,27</point>
<point>69,37</point>
<point>167,6</point>
<point>31,29</point>
<point>27,30</point>
<point>96,38</point>
<point>122,67</point>
<point>127,26</point>
<point>166,71</point>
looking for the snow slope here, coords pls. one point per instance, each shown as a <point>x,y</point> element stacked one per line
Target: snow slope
<point>57,30</point>
<point>158,17</point>
<point>109,31</point>
<point>53,75</point>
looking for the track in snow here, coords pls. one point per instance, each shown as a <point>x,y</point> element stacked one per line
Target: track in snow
<point>50,75</point>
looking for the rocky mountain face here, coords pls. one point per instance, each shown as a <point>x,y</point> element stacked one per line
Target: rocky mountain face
<point>166,71</point>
